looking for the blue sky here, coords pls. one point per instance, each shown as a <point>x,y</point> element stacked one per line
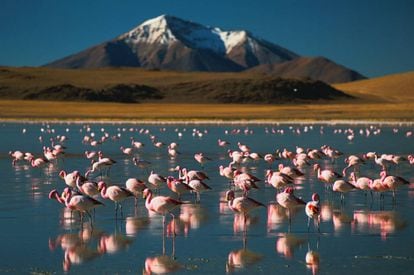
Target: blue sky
<point>374,37</point>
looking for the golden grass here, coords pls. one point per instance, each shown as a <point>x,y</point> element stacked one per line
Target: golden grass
<point>392,88</point>
<point>28,110</point>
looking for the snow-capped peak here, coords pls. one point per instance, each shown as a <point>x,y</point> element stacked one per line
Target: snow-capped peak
<point>167,29</point>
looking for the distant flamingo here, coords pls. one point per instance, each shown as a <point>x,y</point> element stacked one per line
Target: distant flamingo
<point>127,150</point>
<point>313,210</point>
<point>16,155</point>
<point>222,143</point>
<point>201,158</point>
<point>116,194</point>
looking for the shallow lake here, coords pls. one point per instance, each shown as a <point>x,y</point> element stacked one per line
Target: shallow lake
<point>359,235</point>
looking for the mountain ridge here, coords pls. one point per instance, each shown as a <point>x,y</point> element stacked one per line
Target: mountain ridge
<point>170,43</point>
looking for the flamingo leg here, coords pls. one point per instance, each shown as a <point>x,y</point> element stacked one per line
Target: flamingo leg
<point>308,223</point>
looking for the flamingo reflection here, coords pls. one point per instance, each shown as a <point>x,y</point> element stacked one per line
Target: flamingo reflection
<point>78,247</point>
<point>378,222</point>
<point>312,259</point>
<point>162,264</point>
<point>242,258</point>
<point>287,243</point>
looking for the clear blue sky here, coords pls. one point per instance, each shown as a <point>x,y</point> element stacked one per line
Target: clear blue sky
<point>374,37</point>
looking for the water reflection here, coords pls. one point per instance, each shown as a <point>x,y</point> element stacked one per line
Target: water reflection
<point>378,222</point>
<point>287,243</point>
<point>163,263</point>
<point>312,258</point>
<point>242,258</point>
<point>78,247</point>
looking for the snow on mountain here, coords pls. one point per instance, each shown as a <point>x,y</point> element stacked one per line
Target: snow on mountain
<point>167,29</point>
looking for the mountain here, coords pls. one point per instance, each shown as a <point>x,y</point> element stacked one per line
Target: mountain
<point>317,68</point>
<point>390,88</point>
<point>170,43</point>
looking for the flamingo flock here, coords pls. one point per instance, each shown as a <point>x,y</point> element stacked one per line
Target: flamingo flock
<point>237,171</point>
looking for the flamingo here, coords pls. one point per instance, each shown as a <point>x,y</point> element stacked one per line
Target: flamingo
<point>161,205</point>
<point>81,203</point>
<point>292,172</point>
<point>392,182</point>
<point>116,194</point>
<point>242,205</point>
<point>16,155</point>
<point>135,186</point>
<point>89,188</point>
<point>353,161</point>
<point>243,147</point>
<point>289,201</point>
<point>126,150</point>
<point>313,210</point>
<point>362,183</point>
<point>198,187</point>
<point>192,174</point>
<point>142,164</point>
<point>156,180</point>
<point>245,181</point>
<point>277,179</point>
<point>200,158</point>
<point>90,154</point>
<point>269,158</point>
<point>178,186</point>
<point>69,178</point>
<point>327,175</point>
<point>137,144</point>
<point>343,187</point>
<point>222,143</point>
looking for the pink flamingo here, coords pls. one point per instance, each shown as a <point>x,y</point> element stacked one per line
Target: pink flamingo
<point>343,187</point>
<point>313,210</point>
<point>222,143</point>
<point>353,161</point>
<point>198,187</point>
<point>156,181</point>
<point>161,205</point>
<point>135,186</point>
<point>289,201</point>
<point>81,203</point>
<point>200,158</point>
<point>292,172</point>
<point>89,188</point>
<point>277,179</point>
<point>245,181</point>
<point>126,150</point>
<point>242,205</point>
<point>362,183</point>
<point>16,155</point>
<point>392,182</point>
<point>69,178</point>
<point>192,174</point>
<point>327,175</point>
<point>178,186</point>
<point>116,194</point>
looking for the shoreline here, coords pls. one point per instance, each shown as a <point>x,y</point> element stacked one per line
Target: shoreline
<point>207,121</point>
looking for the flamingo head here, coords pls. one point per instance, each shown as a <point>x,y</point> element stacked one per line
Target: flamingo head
<point>53,194</point>
<point>62,174</point>
<point>269,172</point>
<point>280,166</point>
<point>146,193</point>
<point>101,185</point>
<point>230,195</point>
<point>289,190</point>
<point>315,197</point>
<point>383,173</point>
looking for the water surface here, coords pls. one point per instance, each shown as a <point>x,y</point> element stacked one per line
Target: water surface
<point>358,236</point>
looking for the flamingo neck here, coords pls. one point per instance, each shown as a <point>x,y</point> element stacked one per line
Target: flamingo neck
<point>103,192</point>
